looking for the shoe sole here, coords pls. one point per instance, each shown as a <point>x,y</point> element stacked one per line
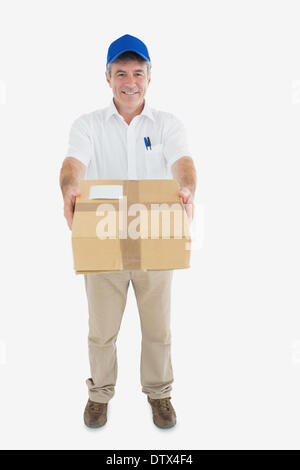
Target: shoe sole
<point>94,426</point>
<point>168,426</point>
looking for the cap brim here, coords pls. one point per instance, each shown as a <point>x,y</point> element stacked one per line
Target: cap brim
<point>127,50</point>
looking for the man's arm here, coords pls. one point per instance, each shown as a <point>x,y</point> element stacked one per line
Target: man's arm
<point>72,171</point>
<point>184,172</point>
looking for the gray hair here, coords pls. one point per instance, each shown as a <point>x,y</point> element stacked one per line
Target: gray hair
<point>126,57</point>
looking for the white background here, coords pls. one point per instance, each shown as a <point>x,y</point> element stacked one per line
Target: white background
<point>230,70</point>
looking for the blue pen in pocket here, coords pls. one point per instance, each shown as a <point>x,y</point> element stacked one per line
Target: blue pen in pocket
<point>146,142</point>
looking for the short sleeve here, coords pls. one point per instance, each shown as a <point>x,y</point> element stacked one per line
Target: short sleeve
<point>80,145</point>
<point>175,143</point>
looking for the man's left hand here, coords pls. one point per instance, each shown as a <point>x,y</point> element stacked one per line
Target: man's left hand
<point>187,199</point>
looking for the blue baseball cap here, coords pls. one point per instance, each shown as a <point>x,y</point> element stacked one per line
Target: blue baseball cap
<point>127,43</point>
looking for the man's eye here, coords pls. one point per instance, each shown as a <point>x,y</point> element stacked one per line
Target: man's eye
<point>122,74</point>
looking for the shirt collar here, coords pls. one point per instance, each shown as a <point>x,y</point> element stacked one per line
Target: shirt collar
<point>113,110</point>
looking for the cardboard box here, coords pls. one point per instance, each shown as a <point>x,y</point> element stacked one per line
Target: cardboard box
<point>123,225</point>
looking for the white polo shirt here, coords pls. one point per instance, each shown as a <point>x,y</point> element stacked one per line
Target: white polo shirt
<point>112,149</point>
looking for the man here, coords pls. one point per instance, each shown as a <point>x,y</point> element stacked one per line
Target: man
<point>110,144</point>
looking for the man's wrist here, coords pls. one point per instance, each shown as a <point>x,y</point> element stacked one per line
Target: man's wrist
<point>68,187</point>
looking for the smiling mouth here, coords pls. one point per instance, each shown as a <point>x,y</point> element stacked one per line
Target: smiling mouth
<point>130,94</point>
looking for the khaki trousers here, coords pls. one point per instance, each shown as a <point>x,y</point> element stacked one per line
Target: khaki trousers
<point>107,295</point>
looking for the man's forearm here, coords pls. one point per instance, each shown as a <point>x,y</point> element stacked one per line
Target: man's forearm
<point>71,173</point>
<point>184,172</point>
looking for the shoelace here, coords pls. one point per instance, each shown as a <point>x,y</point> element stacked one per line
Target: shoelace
<point>96,406</point>
<point>164,404</point>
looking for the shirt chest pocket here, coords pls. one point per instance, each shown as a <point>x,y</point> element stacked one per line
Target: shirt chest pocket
<point>155,163</point>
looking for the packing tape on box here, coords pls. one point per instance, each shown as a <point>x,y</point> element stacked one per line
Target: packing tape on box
<point>130,248</point>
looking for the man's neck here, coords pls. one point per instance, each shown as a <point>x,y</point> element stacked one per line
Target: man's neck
<point>129,114</point>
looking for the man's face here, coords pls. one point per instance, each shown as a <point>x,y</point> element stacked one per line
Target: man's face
<point>129,83</point>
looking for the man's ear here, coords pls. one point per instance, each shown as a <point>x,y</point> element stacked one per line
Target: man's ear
<point>107,79</point>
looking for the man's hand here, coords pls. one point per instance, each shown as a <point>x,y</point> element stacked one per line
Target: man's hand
<point>72,171</point>
<point>187,199</point>
<point>70,195</point>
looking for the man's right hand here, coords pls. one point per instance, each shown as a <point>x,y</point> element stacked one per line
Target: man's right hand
<point>70,195</point>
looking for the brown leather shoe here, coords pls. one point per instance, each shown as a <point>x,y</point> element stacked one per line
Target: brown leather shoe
<point>95,414</point>
<point>164,415</point>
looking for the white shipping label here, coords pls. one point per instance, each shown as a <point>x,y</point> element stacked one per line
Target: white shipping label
<point>111,191</point>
